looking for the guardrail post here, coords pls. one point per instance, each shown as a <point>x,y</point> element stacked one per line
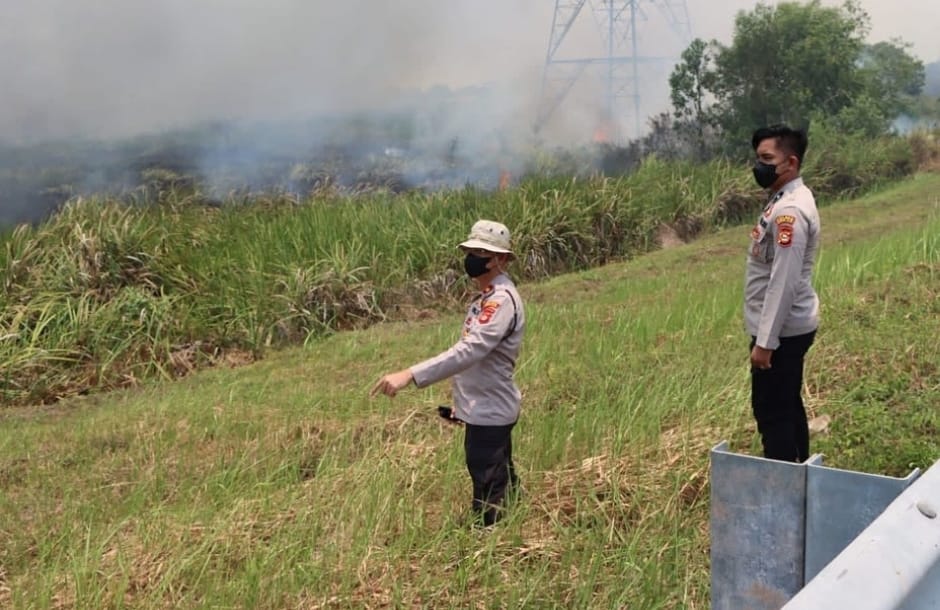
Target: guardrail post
<point>758,516</point>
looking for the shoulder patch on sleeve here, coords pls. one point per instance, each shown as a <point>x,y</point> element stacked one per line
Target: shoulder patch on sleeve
<point>784,235</point>
<point>488,310</point>
<point>785,219</point>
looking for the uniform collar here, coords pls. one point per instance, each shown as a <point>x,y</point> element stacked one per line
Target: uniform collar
<point>790,186</point>
<point>499,279</point>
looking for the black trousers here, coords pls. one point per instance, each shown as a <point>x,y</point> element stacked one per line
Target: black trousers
<point>489,459</point>
<point>777,402</point>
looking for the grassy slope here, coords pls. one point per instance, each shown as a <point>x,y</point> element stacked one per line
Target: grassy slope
<point>281,485</point>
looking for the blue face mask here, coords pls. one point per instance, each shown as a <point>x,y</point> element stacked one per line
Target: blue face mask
<point>474,265</point>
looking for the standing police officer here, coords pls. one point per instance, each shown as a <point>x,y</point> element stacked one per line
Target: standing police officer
<point>781,309</point>
<point>481,366</point>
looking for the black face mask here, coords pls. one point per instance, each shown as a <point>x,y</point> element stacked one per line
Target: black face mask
<point>765,174</point>
<point>474,265</point>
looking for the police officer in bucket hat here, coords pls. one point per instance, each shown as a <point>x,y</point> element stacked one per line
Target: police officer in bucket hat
<point>480,366</point>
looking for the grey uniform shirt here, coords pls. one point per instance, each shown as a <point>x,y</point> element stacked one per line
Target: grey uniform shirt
<point>482,362</point>
<point>779,300</point>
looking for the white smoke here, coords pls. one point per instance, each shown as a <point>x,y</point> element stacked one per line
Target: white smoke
<point>108,68</point>
<point>103,68</point>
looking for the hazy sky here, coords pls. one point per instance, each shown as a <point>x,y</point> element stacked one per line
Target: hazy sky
<point>116,67</point>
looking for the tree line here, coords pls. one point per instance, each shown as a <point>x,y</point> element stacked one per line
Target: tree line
<point>800,64</point>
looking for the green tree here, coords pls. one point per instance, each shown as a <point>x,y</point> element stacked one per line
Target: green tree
<point>690,83</point>
<point>891,76</point>
<point>789,62</point>
<point>796,63</point>
<point>864,115</point>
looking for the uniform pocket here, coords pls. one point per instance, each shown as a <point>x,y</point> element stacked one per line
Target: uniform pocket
<point>762,249</point>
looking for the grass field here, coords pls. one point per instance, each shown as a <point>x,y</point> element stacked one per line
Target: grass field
<point>110,292</point>
<point>281,485</point>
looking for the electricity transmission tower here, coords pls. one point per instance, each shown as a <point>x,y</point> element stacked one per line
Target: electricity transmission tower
<point>621,59</point>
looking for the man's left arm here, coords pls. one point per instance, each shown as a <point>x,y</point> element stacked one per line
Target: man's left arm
<point>790,230</point>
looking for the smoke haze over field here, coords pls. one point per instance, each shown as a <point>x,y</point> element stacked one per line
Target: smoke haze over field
<point>102,68</point>
<point>117,67</point>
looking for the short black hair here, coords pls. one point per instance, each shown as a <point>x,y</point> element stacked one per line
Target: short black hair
<point>792,141</point>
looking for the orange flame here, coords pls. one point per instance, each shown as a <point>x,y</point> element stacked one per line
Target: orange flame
<point>604,133</point>
<point>504,178</point>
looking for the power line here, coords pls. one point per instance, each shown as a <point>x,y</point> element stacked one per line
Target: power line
<point>617,23</point>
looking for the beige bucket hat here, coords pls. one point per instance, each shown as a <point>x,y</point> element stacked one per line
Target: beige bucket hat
<point>490,236</point>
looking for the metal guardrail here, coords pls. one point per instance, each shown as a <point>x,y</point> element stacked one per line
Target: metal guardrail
<point>893,564</point>
<point>776,525</point>
<point>840,504</point>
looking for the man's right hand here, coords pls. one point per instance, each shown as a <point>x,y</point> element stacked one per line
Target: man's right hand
<point>390,384</point>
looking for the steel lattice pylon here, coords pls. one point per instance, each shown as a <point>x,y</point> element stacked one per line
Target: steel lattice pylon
<point>622,58</point>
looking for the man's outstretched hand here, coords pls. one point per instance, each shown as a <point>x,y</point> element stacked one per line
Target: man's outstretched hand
<point>392,383</point>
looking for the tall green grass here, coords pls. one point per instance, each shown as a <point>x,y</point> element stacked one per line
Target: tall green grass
<point>105,294</point>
